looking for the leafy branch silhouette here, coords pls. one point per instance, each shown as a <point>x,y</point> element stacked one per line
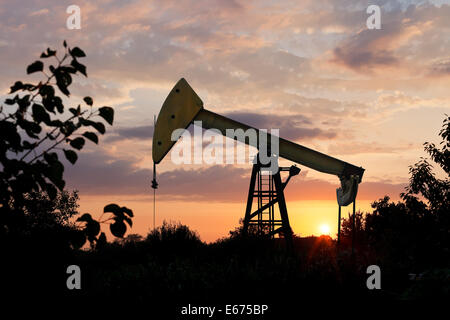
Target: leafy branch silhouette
<point>36,129</point>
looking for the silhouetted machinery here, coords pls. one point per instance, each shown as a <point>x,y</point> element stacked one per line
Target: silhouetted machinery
<point>183,106</point>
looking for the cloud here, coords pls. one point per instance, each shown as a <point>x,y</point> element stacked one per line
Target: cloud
<point>100,174</point>
<point>39,12</point>
<point>292,127</point>
<point>365,50</point>
<point>100,90</point>
<point>358,59</point>
<point>441,67</point>
<point>316,189</point>
<point>352,148</point>
<point>124,133</point>
<point>370,49</point>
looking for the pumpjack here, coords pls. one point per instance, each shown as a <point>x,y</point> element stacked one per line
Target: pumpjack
<point>183,107</point>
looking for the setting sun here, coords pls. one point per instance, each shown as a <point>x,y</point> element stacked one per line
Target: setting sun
<point>324,229</point>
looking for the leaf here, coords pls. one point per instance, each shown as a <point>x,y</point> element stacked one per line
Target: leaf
<point>91,136</point>
<point>112,207</point>
<point>118,228</point>
<point>18,85</point>
<point>100,127</point>
<point>63,87</point>
<point>11,101</point>
<point>48,104</point>
<point>73,111</point>
<point>31,128</point>
<point>68,69</point>
<point>46,91</point>
<point>68,128</point>
<point>24,102</point>
<point>129,221</point>
<point>77,52</point>
<point>58,103</point>
<point>88,101</point>
<point>129,212</point>
<point>27,145</point>
<point>71,156</point>
<point>77,143</point>
<point>85,218</point>
<point>63,80</point>
<point>35,67</point>
<point>49,53</point>
<point>92,228</point>
<point>50,157</point>
<point>54,171</point>
<point>79,67</point>
<point>50,136</point>
<point>107,113</point>
<point>55,123</point>
<point>39,114</point>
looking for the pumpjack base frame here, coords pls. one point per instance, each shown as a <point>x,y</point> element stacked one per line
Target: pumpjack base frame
<point>263,218</point>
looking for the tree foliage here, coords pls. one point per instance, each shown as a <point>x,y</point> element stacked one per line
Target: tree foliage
<point>91,228</point>
<point>38,131</point>
<point>414,232</point>
<point>423,180</point>
<point>41,211</point>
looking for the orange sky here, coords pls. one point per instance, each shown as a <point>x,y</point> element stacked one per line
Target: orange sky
<point>309,68</point>
<point>215,220</point>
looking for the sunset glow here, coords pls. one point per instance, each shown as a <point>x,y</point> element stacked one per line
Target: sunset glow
<point>324,229</point>
<point>310,69</point>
